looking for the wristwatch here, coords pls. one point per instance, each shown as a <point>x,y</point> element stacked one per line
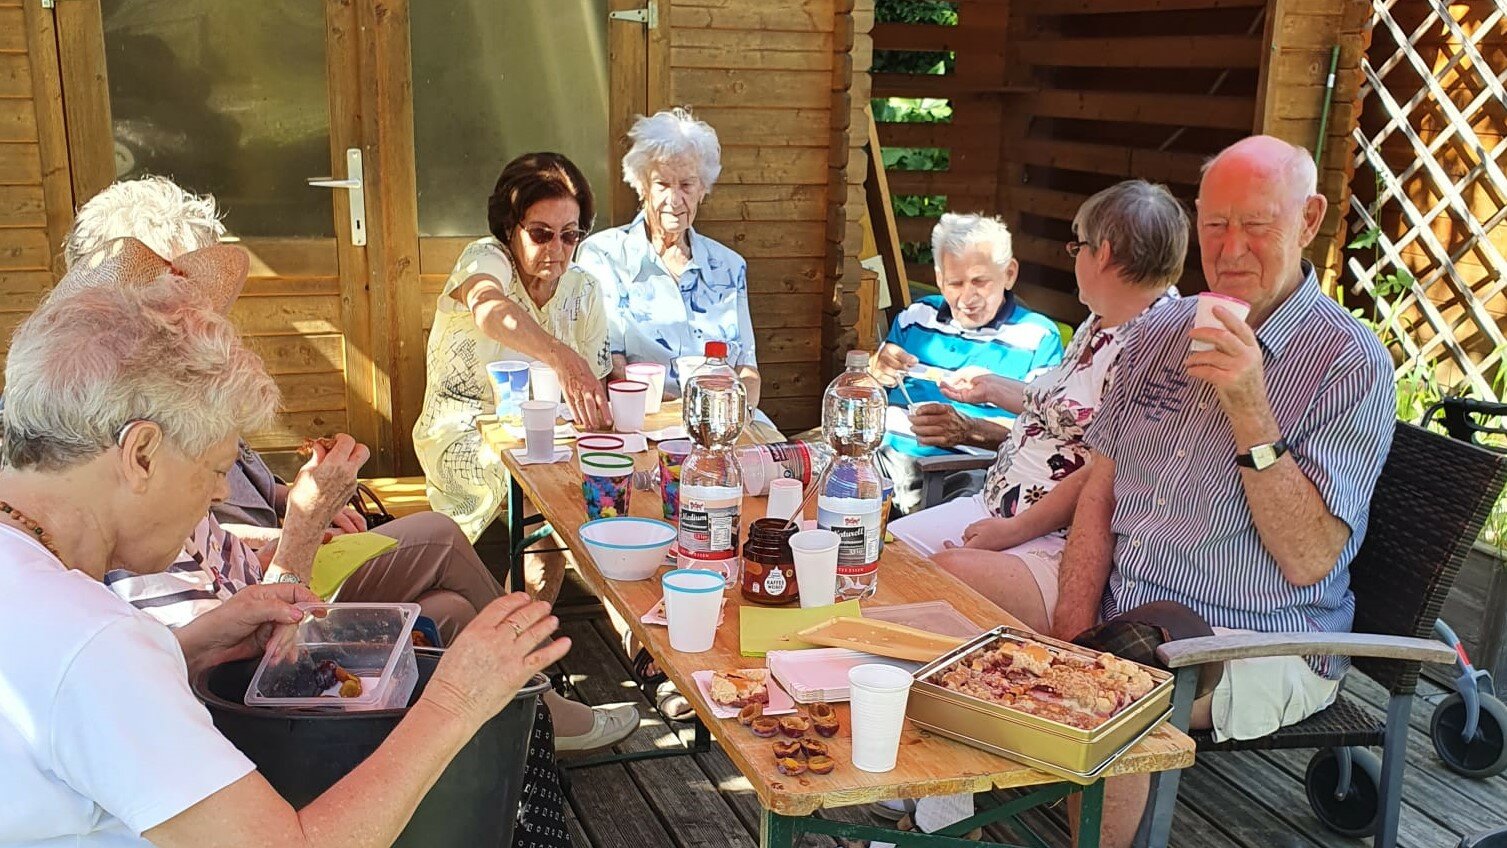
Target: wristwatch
<point>1262,457</point>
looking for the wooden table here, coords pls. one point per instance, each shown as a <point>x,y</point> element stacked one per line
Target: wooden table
<point>928,764</point>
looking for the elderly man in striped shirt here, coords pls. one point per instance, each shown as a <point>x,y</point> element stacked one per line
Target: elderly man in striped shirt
<point>1231,485</point>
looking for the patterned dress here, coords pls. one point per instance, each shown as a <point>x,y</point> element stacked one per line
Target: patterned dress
<point>464,480</point>
<point>1046,444</point>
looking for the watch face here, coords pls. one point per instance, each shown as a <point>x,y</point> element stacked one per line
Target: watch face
<point>1264,455</point>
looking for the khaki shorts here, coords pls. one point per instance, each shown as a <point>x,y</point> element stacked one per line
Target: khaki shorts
<point>1257,696</point>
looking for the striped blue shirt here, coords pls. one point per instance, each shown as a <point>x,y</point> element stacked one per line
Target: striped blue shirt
<point>1183,531</point>
<point>1016,343</point>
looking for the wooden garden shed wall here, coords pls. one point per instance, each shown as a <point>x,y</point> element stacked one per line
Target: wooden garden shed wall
<point>1088,92</point>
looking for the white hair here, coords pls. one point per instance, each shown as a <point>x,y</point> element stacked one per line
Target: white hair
<point>155,210</point>
<point>954,234</point>
<point>668,135</point>
<point>82,367</point>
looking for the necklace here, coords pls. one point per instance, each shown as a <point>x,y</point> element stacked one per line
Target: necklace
<point>31,527</point>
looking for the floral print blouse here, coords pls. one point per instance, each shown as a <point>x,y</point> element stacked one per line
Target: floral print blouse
<point>1046,443</point>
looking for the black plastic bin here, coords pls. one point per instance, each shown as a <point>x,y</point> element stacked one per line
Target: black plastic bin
<point>302,754</point>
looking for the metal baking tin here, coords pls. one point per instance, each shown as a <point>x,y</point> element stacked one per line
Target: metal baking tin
<point>1072,753</point>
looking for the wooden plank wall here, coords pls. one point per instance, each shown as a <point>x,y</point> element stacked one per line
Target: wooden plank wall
<point>1054,100</point>
<point>852,87</point>
<point>1300,35</point>
<point>36,200</point>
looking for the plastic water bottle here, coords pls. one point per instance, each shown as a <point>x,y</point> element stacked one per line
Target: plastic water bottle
<point>711,484</point>
<point>803,461</point>
<point>850,500</point>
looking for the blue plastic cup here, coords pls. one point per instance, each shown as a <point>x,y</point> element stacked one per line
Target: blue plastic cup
<point>509,385</point>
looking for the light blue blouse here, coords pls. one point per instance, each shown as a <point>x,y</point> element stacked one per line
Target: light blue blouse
<point>651,317</point>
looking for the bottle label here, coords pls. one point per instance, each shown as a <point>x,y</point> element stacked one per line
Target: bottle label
<point>856,523</point>
<point>709,521</point>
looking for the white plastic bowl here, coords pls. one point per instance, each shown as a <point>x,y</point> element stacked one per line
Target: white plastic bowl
<point>628,547</point>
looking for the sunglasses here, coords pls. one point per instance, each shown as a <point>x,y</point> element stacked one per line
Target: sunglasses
<point>541,235</point>
<point>1073,247</point>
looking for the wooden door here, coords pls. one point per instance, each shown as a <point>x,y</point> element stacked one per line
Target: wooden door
<point>247,101</point>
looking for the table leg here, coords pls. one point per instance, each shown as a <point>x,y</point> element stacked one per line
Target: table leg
<point>777,831</point>
<point>1091,816</point>
<point>516,536</point>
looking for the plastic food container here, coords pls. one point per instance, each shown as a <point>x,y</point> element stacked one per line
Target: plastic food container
<point>1074,754</point>
<point>370,641</point>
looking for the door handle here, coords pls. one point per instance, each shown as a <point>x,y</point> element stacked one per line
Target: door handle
<point>353,184</point>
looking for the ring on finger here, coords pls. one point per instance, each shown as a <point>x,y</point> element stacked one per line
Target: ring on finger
<point>517,630</point>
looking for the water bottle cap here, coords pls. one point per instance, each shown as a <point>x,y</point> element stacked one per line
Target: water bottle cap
<point>857,359</point>
<point>716,349</point>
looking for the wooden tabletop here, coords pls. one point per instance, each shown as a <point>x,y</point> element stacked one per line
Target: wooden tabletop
<point>928,764</point>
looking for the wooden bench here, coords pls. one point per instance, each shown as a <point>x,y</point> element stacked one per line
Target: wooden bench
<point>401,495</point>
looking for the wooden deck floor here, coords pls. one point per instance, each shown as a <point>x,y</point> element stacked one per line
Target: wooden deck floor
<point>1242,799</point>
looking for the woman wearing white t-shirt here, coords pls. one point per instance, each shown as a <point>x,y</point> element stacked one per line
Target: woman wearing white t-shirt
<point>124,406</point>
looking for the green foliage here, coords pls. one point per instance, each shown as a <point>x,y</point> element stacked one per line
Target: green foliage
<point>916,12</point>
<point>917,158</point>
<point>911,110</point>
<point>932,62</point>
<point>919,205</point>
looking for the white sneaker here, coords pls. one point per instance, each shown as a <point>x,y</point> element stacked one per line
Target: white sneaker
<point>893,810</point>
<point>610,724</point>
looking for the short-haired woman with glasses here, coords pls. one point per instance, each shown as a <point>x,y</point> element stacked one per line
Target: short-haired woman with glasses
<point>512,295</point>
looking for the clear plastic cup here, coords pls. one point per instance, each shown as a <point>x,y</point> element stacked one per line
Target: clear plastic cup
<point>815,553</point>
<point>784,498</point>
<point>544,382</point>
<point>878,699</point>
<point>685,366</point>
<point>628,399</point>
<point>1205,317</point>
<point>652,374</point>
<point>606,484</point>
<point>539,429</point>
<point>693,603</point>
<point>510,379</point>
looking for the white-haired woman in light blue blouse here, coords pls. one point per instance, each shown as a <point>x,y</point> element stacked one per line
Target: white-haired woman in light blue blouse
<point>670,290</point>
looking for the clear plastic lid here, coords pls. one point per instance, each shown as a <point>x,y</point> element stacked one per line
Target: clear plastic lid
<point>313,663</point>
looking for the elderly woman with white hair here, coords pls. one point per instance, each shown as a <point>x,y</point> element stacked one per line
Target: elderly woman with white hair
<point>976,322</point>
<point>668,288</point>
<point>125,409</point>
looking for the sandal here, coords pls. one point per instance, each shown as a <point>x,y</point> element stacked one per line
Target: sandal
<point>656,686</point>
<point>642,662</point>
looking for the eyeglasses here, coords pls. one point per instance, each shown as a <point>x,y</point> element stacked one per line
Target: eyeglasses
<point>541,236</point>
<point>1073,247</point>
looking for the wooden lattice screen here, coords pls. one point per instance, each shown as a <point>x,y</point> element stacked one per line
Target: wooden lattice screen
<point>1430,188</point>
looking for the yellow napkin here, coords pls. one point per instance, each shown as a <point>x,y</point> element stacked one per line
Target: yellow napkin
<point>339,558</point>
<point>766,629</point>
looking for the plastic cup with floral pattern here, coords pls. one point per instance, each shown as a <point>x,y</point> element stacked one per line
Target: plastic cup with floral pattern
<point>606,484</point>
<point>672,455</point>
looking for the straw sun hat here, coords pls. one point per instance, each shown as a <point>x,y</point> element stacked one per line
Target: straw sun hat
<point>218,272</point>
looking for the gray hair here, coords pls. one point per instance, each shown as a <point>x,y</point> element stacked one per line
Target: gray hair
<point>954,234</point>
<point>155,210</point>
<point>671,134</point>
<point>1145,226</point>
<point>82,367</point>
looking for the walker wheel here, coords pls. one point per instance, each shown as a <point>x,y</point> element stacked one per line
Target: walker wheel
<point>1479,758</point>
<point>1359,812</point>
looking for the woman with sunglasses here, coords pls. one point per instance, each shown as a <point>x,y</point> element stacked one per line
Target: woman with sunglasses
<point>512,295</point>
<point>670,289</point>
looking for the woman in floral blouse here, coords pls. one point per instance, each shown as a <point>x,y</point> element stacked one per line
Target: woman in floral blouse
<point>1007,540</point>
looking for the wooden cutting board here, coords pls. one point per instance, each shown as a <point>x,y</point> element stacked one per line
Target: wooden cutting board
<point>880,637</point>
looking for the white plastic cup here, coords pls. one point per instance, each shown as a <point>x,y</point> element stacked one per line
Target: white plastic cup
<point>693,602</point>
<point>685,366</point>
<point>784,498</point>
<point>652,374</point>
<point>1205,316</point>
<point>539,429</point>
<point>599,444</point>
<point>879,695</point>
<point>815,554</point>
<point>544,382</point>
<point>628,399</point>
